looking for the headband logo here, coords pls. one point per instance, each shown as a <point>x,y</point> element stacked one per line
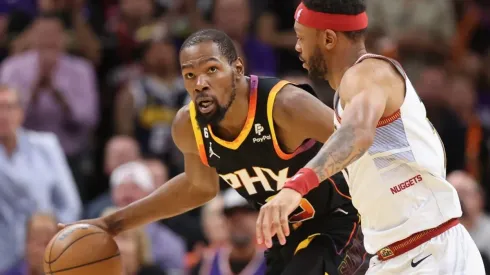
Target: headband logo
<point>298,14</point>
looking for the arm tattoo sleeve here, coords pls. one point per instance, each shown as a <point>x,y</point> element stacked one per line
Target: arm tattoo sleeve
<point>340,150</point>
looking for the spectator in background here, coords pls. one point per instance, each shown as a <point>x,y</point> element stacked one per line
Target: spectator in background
<point>214,229</point>
<point>146,107</point>
<point>422,30</point>
<point>275,28</point>
<point>133,22</point>
<point>136,180</point>
<point>118,151</point>
<point>73,13</point>
<point>474,219</point>
<point>214,223</point>
<point>40,229</point>
<point>15,16</point>
<point>135,248</point>
<point>432,87</point>
<point>240,254</point>
<point>484,90</point>
<point>59,90</point>
<point>462,98</point>
<point>34,176</point>
<point>234,18</point>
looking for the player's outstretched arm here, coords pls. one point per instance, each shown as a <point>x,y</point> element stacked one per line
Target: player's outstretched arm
<point>191,189</point>
<point>365,94</point>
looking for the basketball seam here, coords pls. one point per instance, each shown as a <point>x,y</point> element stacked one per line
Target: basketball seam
<point>82,265</point>
<point>68,246</point>
<point>51,250</point>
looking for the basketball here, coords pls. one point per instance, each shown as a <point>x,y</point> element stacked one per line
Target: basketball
<point>82,249</point>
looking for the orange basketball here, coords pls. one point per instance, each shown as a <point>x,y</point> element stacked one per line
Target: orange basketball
<point>82,249</point>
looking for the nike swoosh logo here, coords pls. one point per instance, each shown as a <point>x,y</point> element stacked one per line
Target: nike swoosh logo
<point>415,264</point>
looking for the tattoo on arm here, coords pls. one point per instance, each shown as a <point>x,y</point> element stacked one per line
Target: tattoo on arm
<point>339,151</point>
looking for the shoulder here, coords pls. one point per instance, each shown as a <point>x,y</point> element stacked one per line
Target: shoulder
<point>45,142</point>
<point>16,61</point>
<point>41,139</point>
<point>182,130</point>
<point>369,73</point>
<point>290,101</point>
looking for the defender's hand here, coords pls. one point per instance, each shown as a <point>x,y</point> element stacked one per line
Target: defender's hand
<point>273,216</point>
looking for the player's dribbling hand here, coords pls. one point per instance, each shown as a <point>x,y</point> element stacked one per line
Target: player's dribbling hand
<point>273,217</point>
<point>99,222</point>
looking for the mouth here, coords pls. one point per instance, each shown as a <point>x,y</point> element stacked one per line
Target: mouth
<point>206,106</point>
<point>302,61</point>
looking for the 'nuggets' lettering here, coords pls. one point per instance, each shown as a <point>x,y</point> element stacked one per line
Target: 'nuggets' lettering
<point>406,184</point>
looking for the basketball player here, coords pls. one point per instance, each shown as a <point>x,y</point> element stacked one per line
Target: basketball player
<point>389,153</point>
<point>246,132</point>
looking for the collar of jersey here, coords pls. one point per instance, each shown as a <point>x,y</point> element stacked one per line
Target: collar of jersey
<point>252,105</point>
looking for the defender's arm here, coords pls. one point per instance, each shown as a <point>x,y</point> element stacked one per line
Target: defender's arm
<point>365,93</point>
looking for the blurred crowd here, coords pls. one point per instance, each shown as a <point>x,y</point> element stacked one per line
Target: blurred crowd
<point>89,89</point>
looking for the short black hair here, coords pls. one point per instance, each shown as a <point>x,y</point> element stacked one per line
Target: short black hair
<point>346,7</point>
<point>221,39</point>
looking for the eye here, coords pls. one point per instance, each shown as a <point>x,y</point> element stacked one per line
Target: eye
<point>212,70</point>
<point>189,75</point>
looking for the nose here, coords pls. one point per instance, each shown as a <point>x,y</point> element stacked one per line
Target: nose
<point>201,83</point>
<point>297,47</point>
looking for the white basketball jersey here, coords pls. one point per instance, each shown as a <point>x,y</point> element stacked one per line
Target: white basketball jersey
<point>399,185</point>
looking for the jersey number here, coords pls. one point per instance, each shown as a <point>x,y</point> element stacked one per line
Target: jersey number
<point>306,211</point>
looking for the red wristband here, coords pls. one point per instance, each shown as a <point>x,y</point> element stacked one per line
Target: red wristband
<point>304,180</point>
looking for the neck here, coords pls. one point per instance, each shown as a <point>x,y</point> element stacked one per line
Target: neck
<point>346,59</point>
<point>243,253</point>
<point>9,143</point>
<point>236,116</point>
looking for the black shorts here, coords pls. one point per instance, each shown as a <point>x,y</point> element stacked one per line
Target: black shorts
<point>330,245</point>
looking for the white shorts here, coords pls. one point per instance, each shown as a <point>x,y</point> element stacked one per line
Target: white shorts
<point>452,253</point>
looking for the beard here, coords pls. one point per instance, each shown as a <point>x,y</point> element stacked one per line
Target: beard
<point>217,116</point>
<point>317,67</point>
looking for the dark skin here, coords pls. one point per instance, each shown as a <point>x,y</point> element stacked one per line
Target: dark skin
<point>206,70</point>
<point>368,91</point>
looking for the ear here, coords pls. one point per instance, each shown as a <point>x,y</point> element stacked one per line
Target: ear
<point>330,39</point>
<point>239,67</point>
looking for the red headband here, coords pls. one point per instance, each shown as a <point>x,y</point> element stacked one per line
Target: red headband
<point>336,22</point>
